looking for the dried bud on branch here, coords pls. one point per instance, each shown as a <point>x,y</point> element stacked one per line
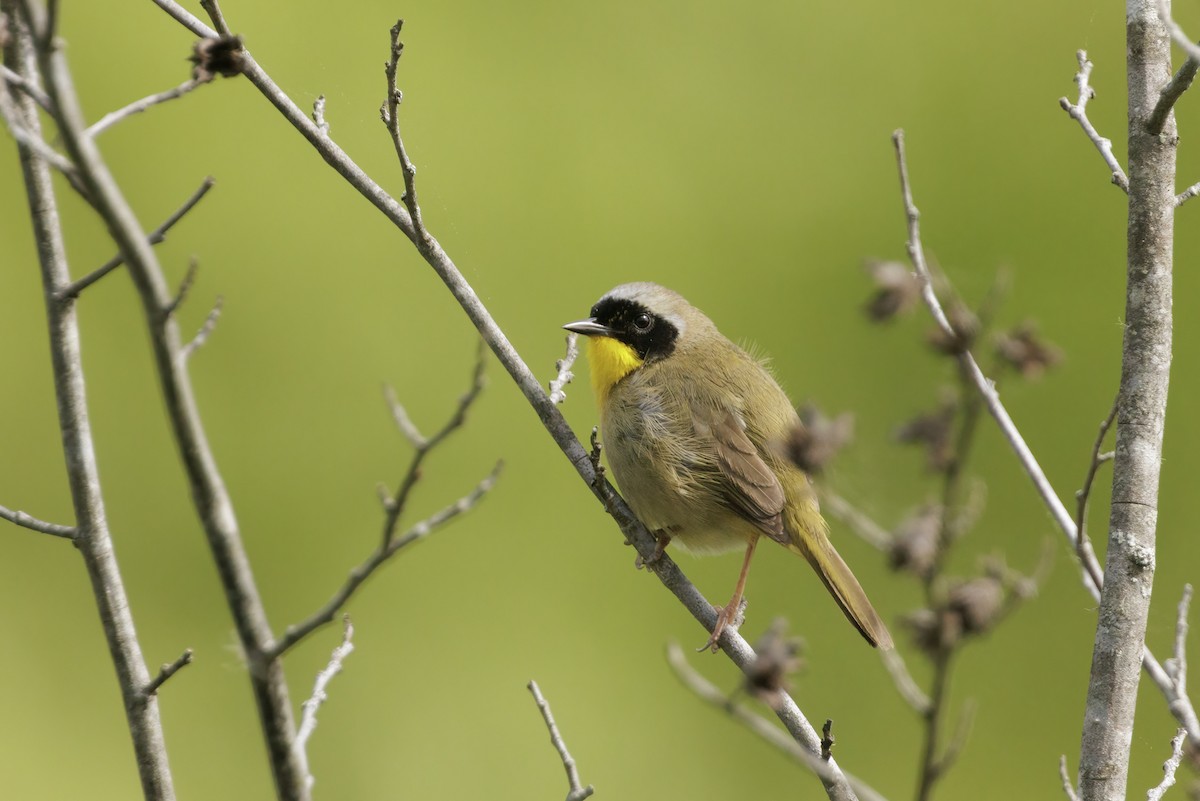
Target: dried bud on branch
<point>896,290</point>
<point>219,56</point>
<point>1022,349</point>
<point>778,657</point>
<point>814,444</point>
<point>966,329</point>
<point>917,541</point>
<point>932,430</point>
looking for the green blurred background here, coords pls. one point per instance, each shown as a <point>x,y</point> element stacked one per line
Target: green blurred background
<point>737,153</point>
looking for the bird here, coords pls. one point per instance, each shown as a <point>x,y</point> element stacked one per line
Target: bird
<point>697,435</point>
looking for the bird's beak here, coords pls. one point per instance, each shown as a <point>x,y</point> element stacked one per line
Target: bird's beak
<point>589,328</point>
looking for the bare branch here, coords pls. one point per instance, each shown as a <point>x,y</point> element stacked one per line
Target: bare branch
<point>905,684</point>
<point>1187,194</point>
<point>168,670</point>
<point>423,445</point>
<point>157,236</point>
<point>210,496</point>
<point>185,286</point>
<point>576,791</point>
<point>1177,33</point>
<point>213,9</point>
<point>1170,94</point>
<point>391,118</point>
<point>33,90</point>
<point>136,107</point>
<point>971,369</point>
<point>1078,112</point>
<point>1169,767</point>
<point>1083,546</point>
<point>1067,785</point>
<point>206,329</point>
<point>308,717</point>
<point>558,386</point>
<point>31,140</point>
<point>294,634</point>
<point>966,719</point>
<point>809,758</point>
<point>32,523</point>
<point>92,535</point>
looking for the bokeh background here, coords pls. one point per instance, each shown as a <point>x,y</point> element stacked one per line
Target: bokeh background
<point>737,153</point>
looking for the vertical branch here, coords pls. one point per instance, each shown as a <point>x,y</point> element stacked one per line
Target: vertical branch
<point>92,536</point>
<point>213,504</point>
<point>1145,372</point>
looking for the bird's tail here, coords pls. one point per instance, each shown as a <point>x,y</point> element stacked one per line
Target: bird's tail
<point>814,545</point>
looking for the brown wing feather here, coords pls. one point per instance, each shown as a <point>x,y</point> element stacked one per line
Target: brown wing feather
<point>747,483</point>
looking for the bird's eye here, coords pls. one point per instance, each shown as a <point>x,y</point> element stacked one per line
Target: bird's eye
<point>643,323</point>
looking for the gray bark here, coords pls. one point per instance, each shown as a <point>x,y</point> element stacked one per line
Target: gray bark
<point>1145,372</point>
<point>91,530</point>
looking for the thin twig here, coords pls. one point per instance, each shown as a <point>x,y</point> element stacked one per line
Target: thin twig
<point>168,670</point>
<point>206,329</point>
<point>1067,785</point>
<point>1170,94</point>
<point>1169,767</point>
<point>1177,33</point>
<point>1016,441</point>
<point>562,367</point>
<point>136,107</point>
<point>390,114</point>
<point>1177,667</point>
<point>905,684</point>
<point>1083,545</point>
<point>1078,112</point>
<point>33,141</point>
<point>157,236</point>
<point>33,90</point>
<point>394,505</point>
<point>295,633</point>
<point>709,692</point>
<point>857,520</point>
<point>958,740</point>
<point>1187,194</point>
<point>32,523</point>
<point>213,9</point>
<point>308,717</point>
<point>576,791</point>
<point>185,286</point>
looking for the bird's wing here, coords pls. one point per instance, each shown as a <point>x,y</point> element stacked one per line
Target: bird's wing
<point>747,483</point>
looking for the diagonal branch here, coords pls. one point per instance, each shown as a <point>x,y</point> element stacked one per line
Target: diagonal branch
<point>157,236</point>
<point>1078,112</point>
<point>1180,705</point>
<point>386,550</point>
<point>556,425</point>
<point>576,791</point>
<point>136,107</point>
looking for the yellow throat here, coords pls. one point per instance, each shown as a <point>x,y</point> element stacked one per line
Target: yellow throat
<point>611,361</point>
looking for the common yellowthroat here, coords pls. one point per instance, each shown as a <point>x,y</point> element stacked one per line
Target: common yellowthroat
<point>696,432</point>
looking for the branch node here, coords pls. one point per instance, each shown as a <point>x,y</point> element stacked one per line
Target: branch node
<point>558,392</point>
<point>168,670</point>
<point>210,323</point>
<point>318,115</point>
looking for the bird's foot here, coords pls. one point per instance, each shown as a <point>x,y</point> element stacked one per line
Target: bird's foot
<point>728,617</point>
<point>662,540</point>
